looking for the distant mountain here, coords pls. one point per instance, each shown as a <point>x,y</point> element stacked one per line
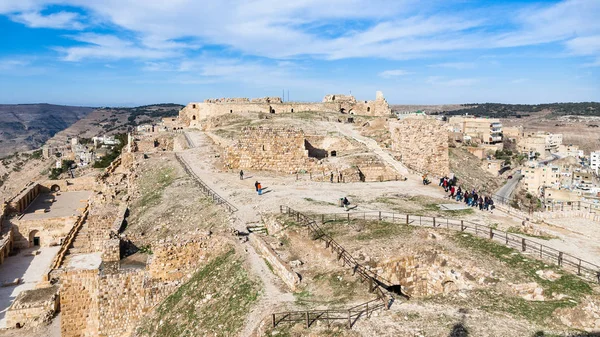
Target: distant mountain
<point>27,126</point>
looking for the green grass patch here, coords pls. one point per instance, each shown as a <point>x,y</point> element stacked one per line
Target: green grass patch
<point>533,311</point>
<point>374,230</point>
<point>153,186</point>
<point>215,301</point>
<point>567,284</point>
<point>516,230</point>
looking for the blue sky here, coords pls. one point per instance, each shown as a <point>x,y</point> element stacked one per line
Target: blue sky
<point>131,52</point>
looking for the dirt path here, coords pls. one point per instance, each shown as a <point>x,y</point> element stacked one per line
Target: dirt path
<point>349,131</point>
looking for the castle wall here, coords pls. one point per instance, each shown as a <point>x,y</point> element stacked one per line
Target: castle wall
<point>280,268</point>
<point>280,150</point>
<point>171,261</point>
<point>422,144</point>
<point>195,112</point>
<point>79,297</point>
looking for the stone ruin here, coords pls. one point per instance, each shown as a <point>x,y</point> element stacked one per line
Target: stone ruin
<point>195,112</point>
<point>422,145</point>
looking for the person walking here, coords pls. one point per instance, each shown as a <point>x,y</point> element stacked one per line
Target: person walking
<point>331,178</point>
<point>259,189</point>
<point>480,203</point>
<point>241,175</point>
<point>452,191</point>
<point>256,185</point>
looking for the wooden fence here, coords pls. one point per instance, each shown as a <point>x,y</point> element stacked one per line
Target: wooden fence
<point>209,192</point>
<point>349,316</point>
<point>376,282</point>
<point>585,269</point>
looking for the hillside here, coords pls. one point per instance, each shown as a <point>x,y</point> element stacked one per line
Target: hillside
<point>27,126</point>
<point>500,110</point>
<point>116,120</point>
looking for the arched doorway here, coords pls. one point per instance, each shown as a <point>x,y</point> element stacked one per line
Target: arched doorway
<point>194,117</point>
<point>34,238</point>
<point>55,188</point>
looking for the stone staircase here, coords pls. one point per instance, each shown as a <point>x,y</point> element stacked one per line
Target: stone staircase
<point>81,243</point>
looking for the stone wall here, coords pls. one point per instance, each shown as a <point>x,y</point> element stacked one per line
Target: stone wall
<point>19,203</point>
<point>175,259</point>
<point>280,268</point>
<point>86,183</point>
<point>422,144</point>
<point>33,307</point>
<point>280,150</point>
<point>50,231</point>
<point>79,297</point>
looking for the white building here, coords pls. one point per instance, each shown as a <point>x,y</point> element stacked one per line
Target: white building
<point>595,161</point>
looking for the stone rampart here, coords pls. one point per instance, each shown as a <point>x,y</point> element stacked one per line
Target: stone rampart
<point>195,112</point>
<point>280,150</point>
<point>79,296</point>
<point>280,268</point>
<point>422,144</point>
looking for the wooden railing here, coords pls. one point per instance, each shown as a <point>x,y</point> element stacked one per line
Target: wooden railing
<point>67,242</point>
<point>216,198</point>
<point>350,315</point>
<point>376,282</point>
<point>583,268</point>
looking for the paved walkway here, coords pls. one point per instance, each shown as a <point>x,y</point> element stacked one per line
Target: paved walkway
<point>26,267</point>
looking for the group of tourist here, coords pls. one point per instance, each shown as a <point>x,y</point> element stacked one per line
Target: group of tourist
<point>472,199</point>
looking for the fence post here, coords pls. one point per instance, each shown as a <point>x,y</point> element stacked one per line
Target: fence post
<point>348,219</point>
<point>407,219</point>
<point>523,246</point>
<point>379,215</point>
<point>476,229</point>
<point>560,258</point>
<point>367,309</point>
<point>447,224</point>
<point>506,238</point>
<point>322,219</point>
<point>491,233</point>
<point>462,227</point>
<point>434,222</point>
<point>307,321</point>
<point>280,208</point>
<point>349,320</point>
<point>579,268</point>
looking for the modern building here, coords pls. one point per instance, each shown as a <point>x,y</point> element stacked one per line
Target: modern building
<point>570,151</point>
<point>539,142</point>
<point>541,177</point>
<point>483,130</point>
<point>595,161</point>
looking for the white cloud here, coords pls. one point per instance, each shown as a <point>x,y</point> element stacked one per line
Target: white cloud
<point>12,64</point>
<point>393,73</point>
<point>293,29</point>
<point>99,46</point>
<point>454,65</point>
<point>456,82</point>
<point>59,20</point>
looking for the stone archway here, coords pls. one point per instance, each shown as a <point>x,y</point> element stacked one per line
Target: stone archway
<point>34,238</point>
<point>449,287</point>
<point>55,188</point>
<point>193,117</point>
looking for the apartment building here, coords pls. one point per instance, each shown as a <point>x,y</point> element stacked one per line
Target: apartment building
<point>484,130</point>
<point>534,179</point>
<point>595,161</point>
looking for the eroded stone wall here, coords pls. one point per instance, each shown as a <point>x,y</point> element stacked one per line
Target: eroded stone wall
<point>174,259</point>
<point>280,150</point>
<point>422,144</point>
<point>280,268</point>
<point>79,297</point>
